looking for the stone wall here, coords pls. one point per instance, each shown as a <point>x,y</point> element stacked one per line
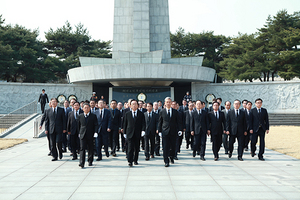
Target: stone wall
<point>16,95</point>
<point>278,97</point>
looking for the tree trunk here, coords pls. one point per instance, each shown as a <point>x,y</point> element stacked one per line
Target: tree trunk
<point>260,79</point>
<point>268,75</point>
<point>273,74</point>
<point>264,76</point>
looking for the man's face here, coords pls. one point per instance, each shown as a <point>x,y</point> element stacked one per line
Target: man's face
<point>244,104</point>
<point>191,106</point>
<point>50,104</point>
<point>134,105</point>
<point>140,104</point>
<point>100,104</point>
<point>168,103</point>
<point>215,106</point>
<point>81,104</point>
<point>219,101</point>
<point>258,104</point>
<point>86,109</point>
<point>120,106</point>
<point>236,105</point>
<point>113,104</point>
<point>155,106</point>
<point>149,107</point>
<point>159,104</point>
<point>184,102</point>
<point>198,105</point>
<point>249,106</point>
<point>76,106</point>
<point>92,104</point>
<point>43,91</point>
<point>227,106</point>
<point>53,103</point>
<point>72,102</point>
<point>174,105</point>
<point>66,104</point>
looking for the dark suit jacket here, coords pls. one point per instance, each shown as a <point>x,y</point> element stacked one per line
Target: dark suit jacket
<point>115,119</point>
<point>72,124</point>
<point>143,110</point>
<point>236,125</point>
<point>134,127</point>
<point>87,130</point>
<point>58,124</point>
<point>183,109</point>
<point>43,98</point>
<point>44,116</point>
<point>225,114</point>
<point>167,125</point>
<point>105,122</point>
<point>216,126</point>
<point>257,120</point>
<point>199,122</point>
<point>123,115</point>
<point>220,108</point>
<point>95,110</point>
<point>151,125</point>
<point>248,116</point>
<point>187,121</point>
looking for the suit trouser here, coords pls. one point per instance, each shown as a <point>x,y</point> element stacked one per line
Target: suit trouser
<point>89,145</point>
<point>114,135</point>
<point>49,142</point>
<point>178,144</point>
<point>55,142</point>
<point>43,107</point>
<point>74,144</point>
<point>133,149</point>
<point>189,139</point>
<point>123,141</point>
<point>169,146</point>
<point>143,143</point>
<point>247,139</point>
<point>200,143</point>
<point>261,133</point>
<point>216,144</point>
<point>225,142</point>
<point>102,140</point>
<point>157,144</point>
<point>69,142</point>
<point>64,141</point>
<point>149,138</point>
<point>241,142</point>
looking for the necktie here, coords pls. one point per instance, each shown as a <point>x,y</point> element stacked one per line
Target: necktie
<point>114,112</point>
<point>54,113</point>
<point>76,114</point>
<point>149,117</point>
<point>169,113</point>
<point>86,118</point>
<point>237,113</point>
<point>100,114</point>
<point>134,116</point>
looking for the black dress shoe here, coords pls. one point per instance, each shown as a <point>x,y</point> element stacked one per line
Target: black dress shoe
<point>54,159</point>
<point>147,158</point>
<point>229,155</point>
<point>80,165</point>
<point>90,164</point>
<point>202,158</point>
<point>246,149</point>
<point>107,154</point>
<point>240,159</point>
<point>175,158</point>
<point>130,164</point>
<point>167,165</point>
<point>136,163</point>
<point>198,153</point>
<point>262,159</point>
<point>172,160</point>
<point>114,155</point>
<point>71,154</point>
<point>216,159</point>
<point>49,154</point>
<point>157,154</point>
<point>74,158</point>
<point>98,159</point>
<point>60,156</point>
<point>252,154</point>
<point>194,154</point>
<point>152,156</point>
<point>226,152</point>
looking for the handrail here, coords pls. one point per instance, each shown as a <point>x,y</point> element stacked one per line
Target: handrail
<point>30,104</point>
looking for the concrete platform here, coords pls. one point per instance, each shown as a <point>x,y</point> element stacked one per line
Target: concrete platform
<point>26,172</point>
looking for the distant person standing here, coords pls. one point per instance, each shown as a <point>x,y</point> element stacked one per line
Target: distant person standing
<point>94,97</point>
<point>43,100</point>
<point>187,97</point>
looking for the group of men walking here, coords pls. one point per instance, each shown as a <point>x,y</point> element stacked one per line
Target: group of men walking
<point>93,127</point>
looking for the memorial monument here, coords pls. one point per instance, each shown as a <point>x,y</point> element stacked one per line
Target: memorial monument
<point>141,65</point>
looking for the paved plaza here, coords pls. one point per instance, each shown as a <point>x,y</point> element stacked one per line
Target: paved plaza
<point>26,172</point>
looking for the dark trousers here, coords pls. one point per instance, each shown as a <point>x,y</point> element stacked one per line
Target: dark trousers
<point>102,140</point>
<point>225,142</point>
<point>143,143</point>
<point>133,149</point>
<point>89,145</point>
<point>169,146</point>
<point>157,144</point>
<point>123,141</point>
<point>49,142</point>
<point>74,140</point>
<point>64,141</point>
<point>150,138</point>
<point>247,139</point>
<point>216,144</point>
<point>69,142</point>
<point>43,107</point>
<point>200,143</point>
<point>178,144</point>
<point>114,135</point>
<point>241,142</point>
<point>55,143</point>
<point>261,134</point>
<point>189,139</point>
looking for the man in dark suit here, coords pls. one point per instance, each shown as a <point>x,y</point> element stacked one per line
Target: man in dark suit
<point>93,106</point>
<point>143,110</point>
<point>199,129</point>
<point>219,100</point>
<point>43,99</point>
<point>236,127</point>
<point>216,120</point>
<point>122,123</point>
<point>259,125</point>
<point>225,136</point>
<point>134,126</point>
<point>41,124</point>
<point>151,119</point>
<point>169,126</point>
<point>156,110</point>
<point>115,127</point>
<point>204,107</point>
<point>248,116</point>
<point>55,125</point>
<point>104,128</point>
<point>67,109</point>
<point>88,127</point>
<point>120,108</point>
<point>184,107</point>
<point>187,126</point>
<point>179,139</point>
<point>73,131</point>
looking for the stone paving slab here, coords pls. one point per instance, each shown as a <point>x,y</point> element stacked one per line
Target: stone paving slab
<point>26,172</point>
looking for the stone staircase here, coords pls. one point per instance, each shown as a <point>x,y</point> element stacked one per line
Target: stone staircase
<point>12,119</point>
<point>284,119</point>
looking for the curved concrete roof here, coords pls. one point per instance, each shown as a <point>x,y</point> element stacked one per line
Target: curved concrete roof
<point>141,72</point>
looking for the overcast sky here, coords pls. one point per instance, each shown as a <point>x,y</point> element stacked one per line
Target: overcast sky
<point>226,17</point>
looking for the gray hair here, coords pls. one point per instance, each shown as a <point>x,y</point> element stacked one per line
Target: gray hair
<point>168,98</point>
